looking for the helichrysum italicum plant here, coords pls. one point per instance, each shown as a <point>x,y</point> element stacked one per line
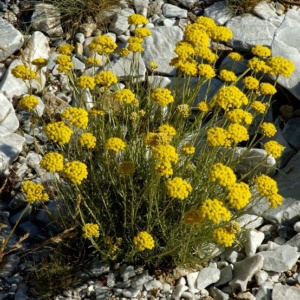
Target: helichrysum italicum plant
<point>151,173</point>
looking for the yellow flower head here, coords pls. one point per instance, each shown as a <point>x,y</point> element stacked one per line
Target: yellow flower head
<point>251,83</point>
<point>137,19</point>
<point>102,45</point>
<point>40,62</point>
<point>223,236</point>
<point>65,49</point>
<point>273,148</point>
<point>144,240</point>
<point>165,153</point>
<point>164,169</point>
<point>58,132</point>
<point>261,51</point>
<point>193,217</point>
<point>280,66</point>
<point>28,102</point>
<point>223,175</point>
<point>206,71</point>
<point>142,32</point>
<point>239,116</point>
<point>87,140</point>
<point>153,65</point>
<point>258,65</point>
<point>275,200</point>
<point>217,137</point>
<point>267,88</point>
<point>90,230</point>
<point>235,56</point>
<point>238,195</point>
<point>64,63</point>
<point>84,82</point>
<point>227,75</point>
<point>92,61</point>
<point>178,188</point>
<point>188,149</point>
<point>52,162</point>
<point>124,96</point>
<point>187,66</point>
<point>230,97</point>
<point>220,33</point>
<point>114,144</point>
<point>206,21</point>
<point>197,36</point>
<point>184,110</point>
<point>97,111</point>
<point>266,186</point>
<point>77,117</point>
<point>237,133</point>
<point>123,52</point>
<point>126,168</point>
<point>34,192</point>
<point>206,54</point>
<point>134,39</point>
<point>259,107</point>
<point>184,49</point>
<point>268,129</point>
<point>215,211</point>
<point>167,129</point>
<point>162,96</point>
<point>106,78</point>
<point>75,171</point>
<point>203,106</point>
<point>23,72</point>
<point>153,139</point>
<point>135,47</point>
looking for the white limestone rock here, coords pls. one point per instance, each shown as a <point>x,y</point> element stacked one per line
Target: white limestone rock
<point>120,21</point>
<point>207,276</point>
<point>219,12</point>
<point>284,292</point>
<point>265,10</point>
<point>250,221</point>
<point>188,3</point>
<point>253,240</point>
<point>11,39</point>
<point>173,11</point>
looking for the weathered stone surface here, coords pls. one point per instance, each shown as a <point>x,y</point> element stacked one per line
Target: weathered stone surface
<point>172,11</point>
<point>9,122</point>
<point>247,32</point>
<point>286,43</point>
<point>265,10</point>
<point>253,240</point>
<point>281,259</point>
<point>159,47</point>
<point>283,292</point>
<point>219,11</point>
<point>120,24</point>
<point>46,18</point>
<point>206,277</point>
<point>188,3</point>
<point>291,132</point>
<point>10,39</point>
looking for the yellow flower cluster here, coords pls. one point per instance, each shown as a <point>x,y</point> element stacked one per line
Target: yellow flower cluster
<point>92,61</point>
<point>184,50</point>
<point>84,82</point>
<point>137,19</point>
<point>102,45</point>
<point>126,168</point>
<point>142,32</point>
<point>266,186</point>
<point>206,21</point>
<point>238,195</point>
<point>153,139</point>
<point>227,75</point>
<point>230,97</point>
<point>162,96</point>
<point>153,65</point>
<point>258,65</point>
<point>203,106</point>
<point>124,96</point>
<point>235,56</point>
<point>23,72</point>
<point>280,66</point>
<point>268,129</point>
<point>40,62</point>
<point>52,162</point>
<point>214,210</point>
<point>195,34</point>
<point>167,129</point>
<point>97,111</point>
<point>90,230</point>
<point>144,240</point>
<point>106,78</point>
<point>223,236</point>
<point>184,110</point>
<point>206,54</point>
<point>135,47</point>
<point>165,153</point>
<point>123,52</point>
<point>34,192</point>
<point>58,132</point>
<point>239,116</point>
<point>223,175</point>
<point>206,71</point>
<point>187,66</point>
<point>164,169</point>
<point>178,188</point>
<point>87,139</point>
<point>258,106</point>
<point>193,217</point>
<point>65,49</point>
<point>261,51</point>
<point>77,117</point>
<point>237,133</point>
<point>188,149</point>
<point>267,88</point>
<point>251,83</point>
<point>220,33</point>
<point>217,137</point>
<point>273,148</point>
<point>75,171</point>
<point>28,102</point>
<point>64,63</point>
<point>114,144</point>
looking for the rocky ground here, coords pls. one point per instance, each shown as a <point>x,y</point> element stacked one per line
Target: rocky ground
<point>267,267</point>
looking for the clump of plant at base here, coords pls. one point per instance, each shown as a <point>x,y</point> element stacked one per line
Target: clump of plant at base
<point>141,178</point>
